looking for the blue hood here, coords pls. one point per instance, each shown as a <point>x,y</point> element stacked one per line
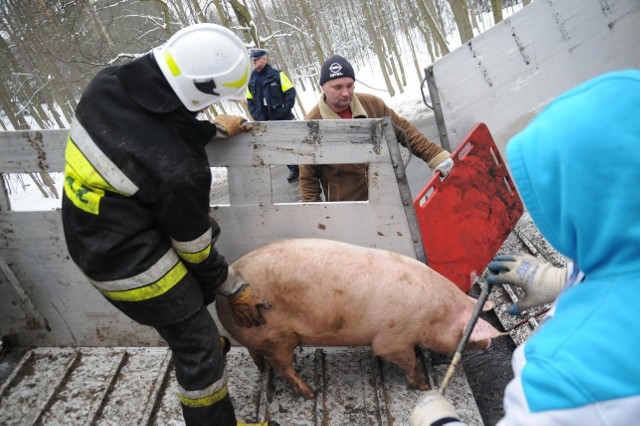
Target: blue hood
<point>577,169</point>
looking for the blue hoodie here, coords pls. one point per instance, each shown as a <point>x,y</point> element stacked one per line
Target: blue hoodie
<point>577,169</point>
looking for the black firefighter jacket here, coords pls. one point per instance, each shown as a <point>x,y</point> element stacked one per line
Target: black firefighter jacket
<point>270,95</point>
<point>137,181</point>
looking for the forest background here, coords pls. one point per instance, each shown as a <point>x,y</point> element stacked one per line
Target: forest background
<point>50,49</point>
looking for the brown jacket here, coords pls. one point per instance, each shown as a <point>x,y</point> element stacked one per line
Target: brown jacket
<point>348,182</point>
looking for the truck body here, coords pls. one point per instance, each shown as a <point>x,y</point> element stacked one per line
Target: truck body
<point>80,361</point>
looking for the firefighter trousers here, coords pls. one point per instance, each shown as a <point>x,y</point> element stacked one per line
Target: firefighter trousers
<point>191,333</point>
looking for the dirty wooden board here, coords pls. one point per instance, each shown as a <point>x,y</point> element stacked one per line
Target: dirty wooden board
<point>78,386</point>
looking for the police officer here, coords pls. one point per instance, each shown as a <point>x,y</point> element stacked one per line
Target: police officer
<point>136,203</point>
<point>270,95</point>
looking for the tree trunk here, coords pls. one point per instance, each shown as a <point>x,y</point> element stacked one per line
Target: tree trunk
<point>461,16</point>
<point>435,31</point>
<point>245,19</point>
<point>377,48</point>
<point>314,32</point>
<point>496,8</point>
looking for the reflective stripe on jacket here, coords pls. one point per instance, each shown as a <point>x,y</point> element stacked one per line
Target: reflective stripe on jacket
<point>270,95</point>
<point>136,195</point>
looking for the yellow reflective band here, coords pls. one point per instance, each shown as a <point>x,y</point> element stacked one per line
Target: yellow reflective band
<point>249,94</point>
<point>158,288</point>
<point>81,195</point>
<point>197,257</point>
<point>195,245</point>
<point>173,67</point>
<point>100,171</point>
<point>285,83</point>
<point>239,83</point>
<point>83,185</point>
<point>205,401</point>
<point>83,167</point>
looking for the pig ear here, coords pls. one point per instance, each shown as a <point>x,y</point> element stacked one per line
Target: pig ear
<point>489,305</point>
<point>482,333</point>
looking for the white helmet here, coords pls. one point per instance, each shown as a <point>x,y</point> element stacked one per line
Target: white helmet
<point>204,63</point>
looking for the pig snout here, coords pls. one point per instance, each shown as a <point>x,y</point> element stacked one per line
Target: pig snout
<point>328,293</point>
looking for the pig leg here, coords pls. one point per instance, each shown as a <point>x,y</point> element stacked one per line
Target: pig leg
<point>488,305</point>
<point>258,359</point>
<point>280,358</point>
<point>406,360</point>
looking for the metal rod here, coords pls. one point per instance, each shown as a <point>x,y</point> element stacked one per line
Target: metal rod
<point>484,294</point>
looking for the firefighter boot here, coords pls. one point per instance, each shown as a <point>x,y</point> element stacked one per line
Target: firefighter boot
<point>225,344</point>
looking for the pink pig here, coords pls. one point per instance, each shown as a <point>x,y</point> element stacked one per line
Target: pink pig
<point>329,293</point>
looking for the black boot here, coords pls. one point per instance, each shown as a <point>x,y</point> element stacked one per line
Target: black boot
<point>294,172</point>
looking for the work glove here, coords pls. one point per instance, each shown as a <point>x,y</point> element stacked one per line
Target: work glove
<point>230,125</point>
<point>540,280</point>
<point>245,306</point>
<point>434,409</point>
<point>442,163</point>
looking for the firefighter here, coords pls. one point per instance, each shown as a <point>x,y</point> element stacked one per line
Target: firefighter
<point>136,203</point>
<point>576,166</point>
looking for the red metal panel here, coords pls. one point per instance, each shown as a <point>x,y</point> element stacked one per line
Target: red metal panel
<point>465,218</point>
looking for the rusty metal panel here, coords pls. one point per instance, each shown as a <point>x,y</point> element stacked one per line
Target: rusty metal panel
<point>526,238</point>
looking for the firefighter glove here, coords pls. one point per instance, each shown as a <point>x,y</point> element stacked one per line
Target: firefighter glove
<point>434,409</point>
<point>540,280</point>
<point>230,125</point>
<point>442,163</point>
<point>244,305</point>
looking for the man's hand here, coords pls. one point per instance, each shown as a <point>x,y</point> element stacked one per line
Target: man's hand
<point>445,167</point>
<point>245,306</point>
<point>540,281</point>
<point>432,409</point>
<point>230,125</point>
<point>442,163</point>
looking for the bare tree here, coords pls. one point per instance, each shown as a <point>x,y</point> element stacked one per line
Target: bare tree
<point>433,27</point>
<point>377,46</point>
<point>461,15</point>
<point>496,8</point>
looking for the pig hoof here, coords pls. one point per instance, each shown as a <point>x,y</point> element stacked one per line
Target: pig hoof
<point>420,384</point>
<point>307,392</point>
<point>423,386</point>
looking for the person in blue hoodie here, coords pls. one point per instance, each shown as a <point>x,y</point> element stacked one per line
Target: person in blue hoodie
<point>577,168</point>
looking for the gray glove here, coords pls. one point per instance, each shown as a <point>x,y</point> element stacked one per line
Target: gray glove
<point>432,409</point>
<point>540,280</point>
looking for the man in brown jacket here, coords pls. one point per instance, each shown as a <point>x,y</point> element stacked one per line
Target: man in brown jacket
<point>348,182</point>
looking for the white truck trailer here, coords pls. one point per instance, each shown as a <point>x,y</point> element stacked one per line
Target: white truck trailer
<point>82,362</point>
